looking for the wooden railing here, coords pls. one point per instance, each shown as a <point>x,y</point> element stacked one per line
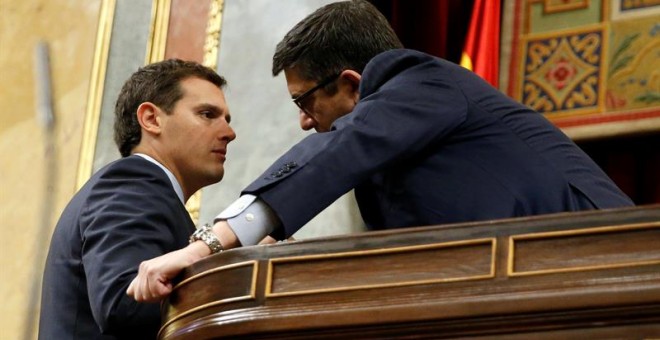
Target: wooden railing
<point>574,275</point>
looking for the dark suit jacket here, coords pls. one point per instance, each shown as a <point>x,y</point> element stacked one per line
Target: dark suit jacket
<point>430,142</point>
<point>126,213</point>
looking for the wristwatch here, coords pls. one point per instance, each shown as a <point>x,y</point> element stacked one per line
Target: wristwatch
<point>206,235</point>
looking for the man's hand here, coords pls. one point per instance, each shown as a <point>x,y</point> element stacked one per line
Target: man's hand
<point>154,279</point>
<point>271,240</point>
<point>268,240</point>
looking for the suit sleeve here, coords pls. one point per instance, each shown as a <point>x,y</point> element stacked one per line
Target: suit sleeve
<point>410,104</point>
<point>129,217</point>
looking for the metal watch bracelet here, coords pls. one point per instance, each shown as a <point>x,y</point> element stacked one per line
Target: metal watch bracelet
<point>206,235</point>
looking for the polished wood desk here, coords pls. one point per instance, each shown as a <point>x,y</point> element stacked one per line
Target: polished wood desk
<point>565,276</point>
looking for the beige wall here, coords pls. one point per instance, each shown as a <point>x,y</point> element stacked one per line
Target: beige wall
<point>69,27</point>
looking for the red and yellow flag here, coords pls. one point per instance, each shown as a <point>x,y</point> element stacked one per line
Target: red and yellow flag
<point>481,52</point>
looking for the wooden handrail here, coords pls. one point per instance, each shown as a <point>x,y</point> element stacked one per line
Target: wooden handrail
<point>587,274</point>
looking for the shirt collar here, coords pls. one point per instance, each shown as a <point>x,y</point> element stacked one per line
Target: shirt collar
<point>170,175</point>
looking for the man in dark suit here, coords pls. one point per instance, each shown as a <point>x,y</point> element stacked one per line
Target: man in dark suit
<point>172,130</point>
<point>421,140</point>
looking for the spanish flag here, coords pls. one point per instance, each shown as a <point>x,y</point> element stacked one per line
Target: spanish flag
<point>481,52</point>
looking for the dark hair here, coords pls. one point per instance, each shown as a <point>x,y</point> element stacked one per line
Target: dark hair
<point>157,83</point>
<point>338,36</point>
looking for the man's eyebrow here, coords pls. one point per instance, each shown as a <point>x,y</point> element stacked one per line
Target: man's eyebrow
<point>216,109</point>
<point>207,106</point>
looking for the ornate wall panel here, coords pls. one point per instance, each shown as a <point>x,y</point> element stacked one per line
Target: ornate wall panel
<point>562,72</point>
<point>590,66</point>
<point>633,75</point>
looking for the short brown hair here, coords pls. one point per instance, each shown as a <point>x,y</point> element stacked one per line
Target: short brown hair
<point>157,83</point>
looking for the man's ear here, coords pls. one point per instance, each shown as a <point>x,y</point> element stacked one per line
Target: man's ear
<point>148,115</point>
<point>351,79</point>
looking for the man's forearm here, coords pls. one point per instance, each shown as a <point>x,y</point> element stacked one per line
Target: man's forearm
<point>154,279</point>
<point>225,235</point>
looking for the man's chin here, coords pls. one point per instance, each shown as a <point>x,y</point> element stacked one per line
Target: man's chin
<point>215,177</point>
<point>219,177</point>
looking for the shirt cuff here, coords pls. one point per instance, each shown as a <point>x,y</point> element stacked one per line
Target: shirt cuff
<point>250,218</point>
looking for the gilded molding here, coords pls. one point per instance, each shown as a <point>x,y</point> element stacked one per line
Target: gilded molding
<point>550,6</point>
<point>193,205</point>
<point>612,129</point>
<point>95,96</point>
<point>213,28</point>
<point>160,20</point>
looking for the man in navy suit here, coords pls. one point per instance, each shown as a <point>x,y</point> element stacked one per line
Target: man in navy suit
<point>172,130</point>
<point>421,140</point>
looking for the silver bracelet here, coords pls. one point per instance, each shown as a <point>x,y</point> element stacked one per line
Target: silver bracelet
<point>206,235</point>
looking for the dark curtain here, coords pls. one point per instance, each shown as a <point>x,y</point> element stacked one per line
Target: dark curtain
<point>437,27</point>
<point>632,162</point>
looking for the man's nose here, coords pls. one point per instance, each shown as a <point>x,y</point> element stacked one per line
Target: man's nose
<point>228,133</point>
<point>306,121</point>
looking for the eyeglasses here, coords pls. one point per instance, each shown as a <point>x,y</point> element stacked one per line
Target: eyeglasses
<point>299,100</point>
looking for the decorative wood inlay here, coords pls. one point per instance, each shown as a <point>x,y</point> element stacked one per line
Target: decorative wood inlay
<point>585,249</point>
<point>421,282</point>
<point>239,282</point>
<point>435,263</point>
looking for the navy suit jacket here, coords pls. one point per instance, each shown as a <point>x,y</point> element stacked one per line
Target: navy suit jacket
<point>430,142</point>
<point>126,213</point>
